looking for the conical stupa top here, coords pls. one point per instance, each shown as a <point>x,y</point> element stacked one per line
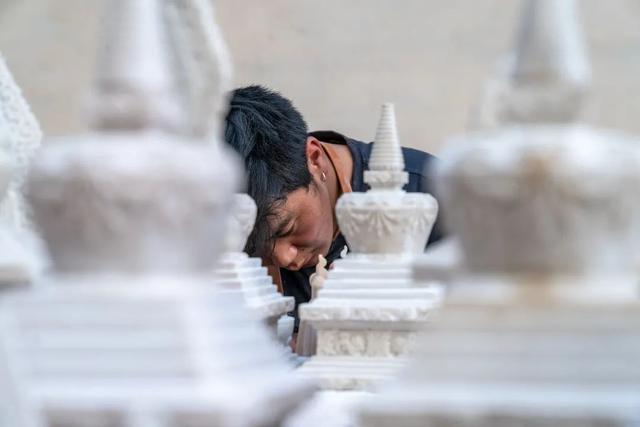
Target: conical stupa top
<point>205,62</point>
<point>550,46</point>
<point>386,164</point>
<point>135,86</point>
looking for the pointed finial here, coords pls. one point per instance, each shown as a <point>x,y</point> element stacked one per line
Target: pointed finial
<point>546,77</point>
<point>549,46</point>
<point>205,63</point>
<point>386,164</point>
<point>135,87</point>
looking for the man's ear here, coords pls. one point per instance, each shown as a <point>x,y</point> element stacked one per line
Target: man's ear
<point>315,156</point>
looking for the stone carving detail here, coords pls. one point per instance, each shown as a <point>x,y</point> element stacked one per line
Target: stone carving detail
<point>535,329</point>
<point>368,308</point>
<point>401,228</point>
<point>365,343</point>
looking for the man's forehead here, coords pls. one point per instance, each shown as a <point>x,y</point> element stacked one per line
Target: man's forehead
<point>287,211</point>
<point>282,215</point>
<point>290,205</point>
<point>280,218</point>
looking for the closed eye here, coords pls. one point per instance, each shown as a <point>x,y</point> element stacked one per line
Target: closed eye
<point>285,229</point>
<point>287,232</point>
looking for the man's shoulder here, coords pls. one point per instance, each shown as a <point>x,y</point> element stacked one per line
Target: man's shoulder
<point>418,163</point>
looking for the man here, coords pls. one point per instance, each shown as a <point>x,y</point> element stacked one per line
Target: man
<point>296,178</point>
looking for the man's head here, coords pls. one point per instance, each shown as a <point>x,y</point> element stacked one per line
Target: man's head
<point>287,175</point>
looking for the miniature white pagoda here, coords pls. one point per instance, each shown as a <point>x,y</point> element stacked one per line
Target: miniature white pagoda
<point>368,311</point>
<point>541,319</point>
<point>22,260</point>
<point>237,272</point>
<point>129,330</point>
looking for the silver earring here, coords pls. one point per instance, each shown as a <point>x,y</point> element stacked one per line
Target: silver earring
<point>323,177</point>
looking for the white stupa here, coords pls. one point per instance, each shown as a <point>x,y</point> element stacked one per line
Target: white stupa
<point>368,311</point>
<point>129,330</point>
<point>237,272</point>
<point>540,321</point>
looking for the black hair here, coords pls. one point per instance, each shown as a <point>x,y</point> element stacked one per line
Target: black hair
<point>270,135</point>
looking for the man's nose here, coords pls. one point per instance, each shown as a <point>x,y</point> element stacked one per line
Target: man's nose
<point>285,254</point>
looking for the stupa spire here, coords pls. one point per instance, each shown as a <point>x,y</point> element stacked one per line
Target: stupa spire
<point>386,164</point>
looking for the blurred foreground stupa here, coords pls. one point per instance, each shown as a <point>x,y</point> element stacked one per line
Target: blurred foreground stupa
<point>541,318</point>
<point>237,272</point>
<point>128,330</point>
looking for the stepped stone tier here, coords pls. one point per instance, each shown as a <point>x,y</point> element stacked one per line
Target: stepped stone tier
<point>236,271</point>
<point>368,311</point>
<point>21,137</point>
<point>128,330</point>
<point>541,317</point>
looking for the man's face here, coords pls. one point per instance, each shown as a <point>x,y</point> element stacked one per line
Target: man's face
<point>304,227</point>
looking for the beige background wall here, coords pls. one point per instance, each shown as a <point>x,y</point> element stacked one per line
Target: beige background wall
<point>337,59</point>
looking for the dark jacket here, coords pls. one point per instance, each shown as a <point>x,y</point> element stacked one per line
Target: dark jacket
<point>417,163</point>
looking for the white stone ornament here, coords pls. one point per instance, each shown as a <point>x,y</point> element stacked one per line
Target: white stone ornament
<point>235,271</point>
<point>540,319</point>
<point>20,141</point>
<point>317,279</point>
<point>547,76</point>
<point>368,311</point>
<point>130,331</point>
<point>204,61</point>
